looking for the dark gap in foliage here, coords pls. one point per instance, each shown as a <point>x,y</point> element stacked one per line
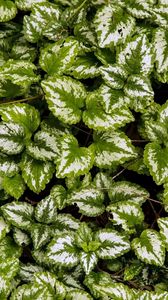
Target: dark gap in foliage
<point>160,92</point>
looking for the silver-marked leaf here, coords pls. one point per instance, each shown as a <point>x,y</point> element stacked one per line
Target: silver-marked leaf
<point>4,228</point>
<point>65,97</point>
<point>19,214</point>
<point>137,56</point>
<point>36,173</point>
<point>78,295</point>
<point>160,44</point>
<point>160,15</point>
<point>114,76</point>
<point>112,25</point>
<point>97,118</point>
<point>27,271</point>
<point>9,267</point>
<point>20,237</point>
<point>84,32</point>
<point>59,194</point>
<point>85,67</point>
<point>40,234</point>
<point>88,261</point>
<point>155,158</point>
<point>11,138</point>
<point>73,160</point>
<point>139,89</point>
<point>140,9</point>
<point>62,252</point>
<point>9,249</point>
<point>111,149</point>
<point>32,291</point>
<point>127,214</point>
<point>57,58</point>
<point>8,10</point>
<point>46,210</point>
<point>27,4</point>
<point>149,247</point>
<point>5,286</point>
<point>8,166</point>
<point>14,185</point>
<point>66,222</point>
<point>103,181</point>
<point>163,225</point>
<point>89,200</point>
<point>113,244</point>
<point>156,131</point>
<point>149,295</point>
<point>127,191</point>
<point>22,114</point>
<point>23,50</point>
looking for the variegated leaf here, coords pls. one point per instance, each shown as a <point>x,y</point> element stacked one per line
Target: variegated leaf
<point>149,247</point>
<point>66,222</point>
<point>5,285</point>
<point>133,269</point>
<point>127,214</point>
<point>57,58</point>
<point>27,4</point>
<point>160,15</point>
<point>127,191</point>
<point>8,165</point>
<point>40,234</point>
<point>114,76</point>
<point>4,228</point>
<point>139,89</point>
<point>19,214</point>
<point>23,50</point>
<point>163,225</point>
<point>88,261</point>
<point>155,158</point>
<point>137,56</point>
<point>27,271</point>
<point>46,210</point>
<point>65,97</point>
<point>89,200</point>
<point>20,237</point>
<point>32,291</point>
<point>103,181</point>
<point>85,32</point>
<point>113,244</point>
<point>11,138</point>
<point>85,67</point>
<point>8,10</point>
<point>62,251</point>
<point>73,160</point>
<point>14,186</point>
<point>9,267</point>
<point>149,295</point>
<point>140,9</point>
<point>78,295</point>
<point>36,173</point>
<point>112,148</point>
<point>112,25</point>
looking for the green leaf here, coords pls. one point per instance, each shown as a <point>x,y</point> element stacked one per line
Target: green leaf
<point>133,269</point>
<point>78,294</point>
<point>160,44</point>
<point>112,25</point>
<point>4,228</point>
<point>127,214</point>
<point>114,76</point>
<point>155,157</point>
<point>66,222</point>
<point>36,173</point>
<point>32,291</point>
<point>112,149</point>
<point>139,89</point>
<point>8,166</point>
<point>62,252</point>
<point>10,90</point>
<point>9,249</point>
<point>137,56</point>
<point>85,67</point>
<point>8,10</point>
<point>5,286</point>
<point>20,237</point>
<point>74,160</point>
<point>89,200</point>
<point>9,267</point>
<point>11,138</point>
<point>160,15</point>
<point>113,243</point>
<point>23,50</point>
<point>163,225</point>
<point>65,97</point>
<point>19,214</point>
<point>63,54</point>
<point>27,4</point>
<point>149,247</point>
<point>14,186</point>
<point>127,191</point>
<point>84,31</point>
<point>140,9</point>
<point>40,234</point>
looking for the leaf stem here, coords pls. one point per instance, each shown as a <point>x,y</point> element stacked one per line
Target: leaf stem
<point>20,100</point>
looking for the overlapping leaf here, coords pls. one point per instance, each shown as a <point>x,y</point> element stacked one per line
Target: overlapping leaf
<point>8,10</point>
<point>14,185</point>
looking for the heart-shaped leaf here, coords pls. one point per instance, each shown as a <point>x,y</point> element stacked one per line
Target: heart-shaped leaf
<point>14,185</point>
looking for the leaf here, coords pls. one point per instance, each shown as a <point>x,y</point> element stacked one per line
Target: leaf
<point>149,247</point>
<point>11,138</point>
<point>8,166</point>
<point>127,191</point>
<point>40,234</point>
<point>89,200</point>
<point>139,89</point>
<point>127,214</point>
<point>65,97</point>
<point>160,15</point>
<point>160,44</point>
<point>155,158</point>
<point>136,56</point>
<point>36,173</point>
<point>113,244</point>
<point>146,295</point>
<point>5,286</point>
<point>74,160</point>
<point>14,186</point>
<point>66,222</point>
<point>163,225</point>
<point>27,4</point>
<point>23,50</point>
<point>88,261</point>
<point>19,214</point>
<point>111,149</point>
<point>9,267</point>
<point>78,294</point>
<point>85,67</point>
<point>20,237</point>
<point>103,181</point>
<point>132,270</point>
<point>8,10</point>
<point>32,292</point>
<point>84,31</point>
<point>46,210</point>
<point>62,252</point>
<point>140,9</point>
<point>114,76</point>
<point>27,271</point>
<point>63,54</point>
<point>9,249</point>
<point>112,25</point>
<point>4,228</point>
<point>10,90</point>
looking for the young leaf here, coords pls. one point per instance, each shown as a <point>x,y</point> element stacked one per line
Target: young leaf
<point>20,237</point>
<point>88,261</point>
<point>111,149</point>
<point>8,10</point>
<point>14,186</point>
<point>40,234</point>
<point>4,228</point>
<point>36,173</point>
<point>18,214</point>
<point>114,76</point>
<point>155,157</point>
<point>65,97</point>
<point>112,25</point>
<point>163,225</point>
<point>74,160</point>
<point>149,247</point>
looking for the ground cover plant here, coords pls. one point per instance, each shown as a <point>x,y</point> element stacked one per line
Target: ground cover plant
<point>83,150</point>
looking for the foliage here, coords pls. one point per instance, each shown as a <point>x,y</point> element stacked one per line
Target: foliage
<point>83,150</point>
